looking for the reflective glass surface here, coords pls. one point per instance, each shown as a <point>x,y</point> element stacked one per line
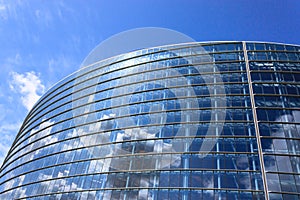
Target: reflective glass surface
<point>276,85</point>
<point>198,121</point>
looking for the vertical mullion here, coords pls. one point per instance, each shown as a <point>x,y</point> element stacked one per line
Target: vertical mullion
<point>260,153</point>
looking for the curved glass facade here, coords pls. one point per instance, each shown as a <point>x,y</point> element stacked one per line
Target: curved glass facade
<point>218,120</point>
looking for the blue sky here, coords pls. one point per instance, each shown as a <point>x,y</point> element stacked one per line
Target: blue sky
<point>43,41</point>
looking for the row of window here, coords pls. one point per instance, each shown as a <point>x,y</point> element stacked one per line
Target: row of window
<point>278,115</point>
<point>274,56</point>
<point>277,101</point>
<point>163,179</point>
<point>271,47</point>
<point>283,183</point>
<point>275,88</point>
<point>172,194</point>
<point>281,163</point>
<point>46,183</point>
<point>274,76</point>
<point>274,67</point>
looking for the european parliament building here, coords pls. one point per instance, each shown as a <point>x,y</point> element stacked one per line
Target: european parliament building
<point>216,120</point>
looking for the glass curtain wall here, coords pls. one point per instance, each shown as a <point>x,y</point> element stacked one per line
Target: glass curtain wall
<point>217,120</point>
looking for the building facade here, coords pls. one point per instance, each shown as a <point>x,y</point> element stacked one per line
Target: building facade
<point>216,120</point>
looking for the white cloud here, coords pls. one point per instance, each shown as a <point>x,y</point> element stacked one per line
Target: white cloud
<point>28,85</point>
<point>2,7</point>
<point>3,11</point>
<point>7,131</point>
<point>7,128</point>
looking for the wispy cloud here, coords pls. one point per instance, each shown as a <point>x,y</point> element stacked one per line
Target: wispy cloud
<point>28,85</point>
<point>7,128</point>
<point>7,136</point>
<point>3,11</point>
<point>43,17</point>
<point>2,7</point>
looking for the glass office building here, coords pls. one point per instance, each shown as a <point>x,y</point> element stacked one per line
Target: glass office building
<point>216,120</point>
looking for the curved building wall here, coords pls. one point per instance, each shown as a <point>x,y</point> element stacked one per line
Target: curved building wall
<point>218,120</point>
